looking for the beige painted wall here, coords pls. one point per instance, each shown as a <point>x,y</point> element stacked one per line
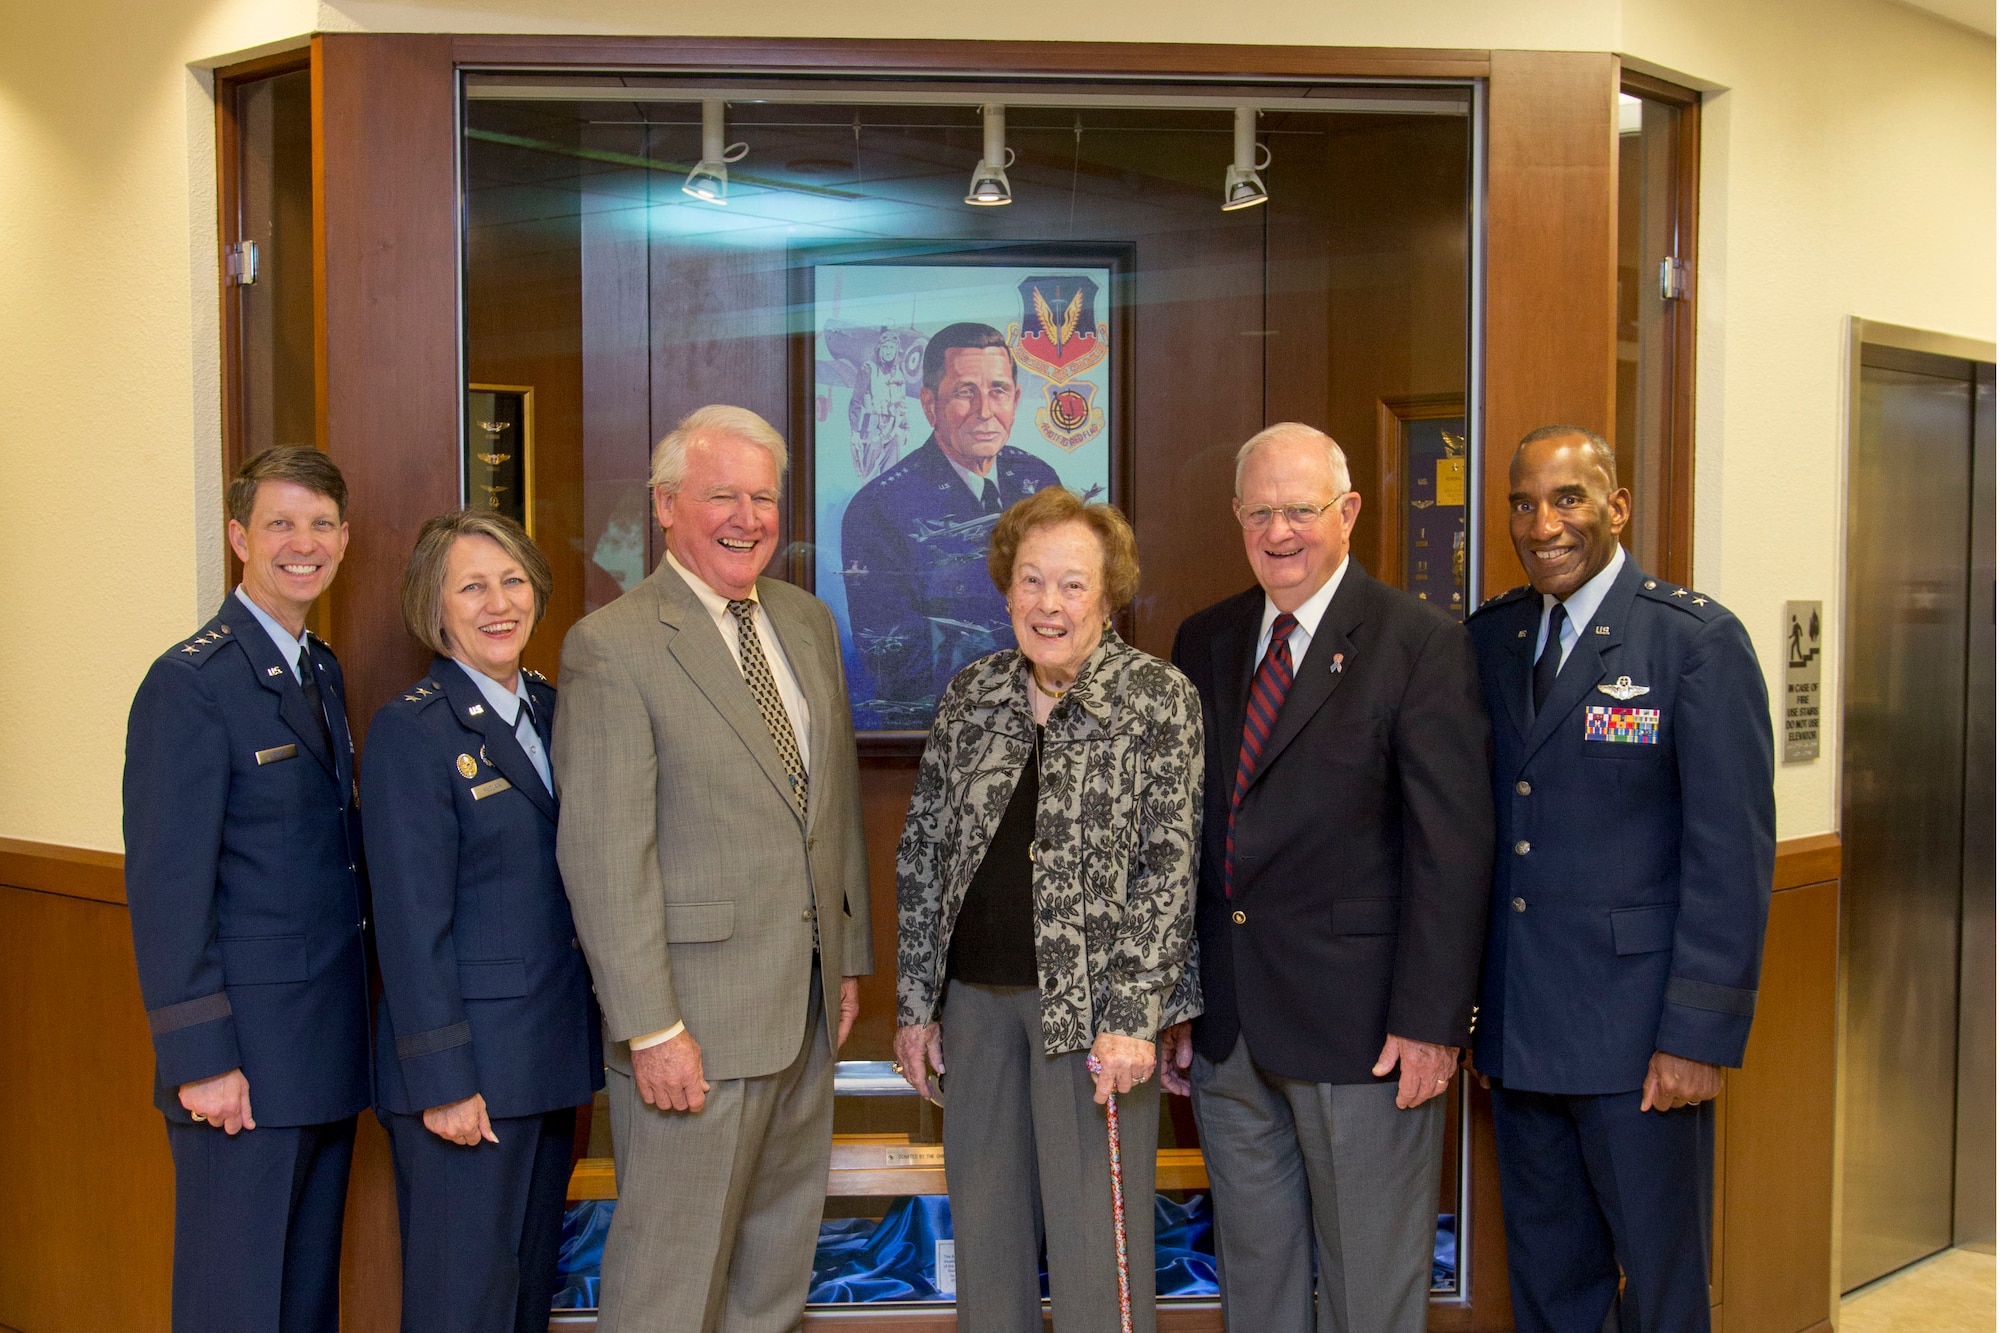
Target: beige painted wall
<point>1849,169</point>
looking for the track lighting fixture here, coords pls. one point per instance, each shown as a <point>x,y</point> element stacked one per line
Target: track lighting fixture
<point>989,179</point>
<point>709,181</point>
<point>1242,187</point>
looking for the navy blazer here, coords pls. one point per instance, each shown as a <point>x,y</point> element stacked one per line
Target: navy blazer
<point>1637,834</point>
<point>1362,841</point>
<point>243,874</point>
<point>484,986</point>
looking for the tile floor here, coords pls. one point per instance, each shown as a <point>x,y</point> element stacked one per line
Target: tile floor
<point>1951,1292</point>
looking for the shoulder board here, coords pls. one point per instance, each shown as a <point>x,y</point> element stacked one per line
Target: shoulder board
<point>321,642</point>
<point>533,674</point>
<point>423,694</point>
<point>200,650</point>
<point>1699,605</point>
<point>1506,598</point>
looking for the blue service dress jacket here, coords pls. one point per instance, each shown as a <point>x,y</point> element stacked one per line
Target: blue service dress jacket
<point>1636,837</point>
<point>244,876</point>
<point>484,986</point>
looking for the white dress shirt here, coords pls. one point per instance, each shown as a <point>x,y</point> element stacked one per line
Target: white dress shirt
<point>1579,608</point>
<point>976,483</point>
<point>1308,615</point>
<point>788,692</point>
<point>511,706</point>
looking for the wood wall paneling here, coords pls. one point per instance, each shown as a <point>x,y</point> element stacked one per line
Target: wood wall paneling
<point>86,1184</point>
<point>386,230</point>
<point>1551,264</point>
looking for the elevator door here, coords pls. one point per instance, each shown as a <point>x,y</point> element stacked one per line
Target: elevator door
<point>1903,791</point>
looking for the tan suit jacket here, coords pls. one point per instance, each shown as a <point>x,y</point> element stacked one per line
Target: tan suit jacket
<point>689,868</point>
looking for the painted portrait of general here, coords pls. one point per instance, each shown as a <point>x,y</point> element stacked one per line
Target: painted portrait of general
<point>942,394</point>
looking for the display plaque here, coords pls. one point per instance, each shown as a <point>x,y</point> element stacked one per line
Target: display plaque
<point>500,450</point>
<point>1803,624</point>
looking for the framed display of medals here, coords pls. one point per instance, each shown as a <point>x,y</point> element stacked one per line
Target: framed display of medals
<point>1421,453</point>
<point>500,450</point>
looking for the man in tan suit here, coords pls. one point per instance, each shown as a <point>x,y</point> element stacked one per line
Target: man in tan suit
<point>711,846</point>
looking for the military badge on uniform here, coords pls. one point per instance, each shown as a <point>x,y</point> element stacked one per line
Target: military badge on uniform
<point>1627,726</point>
<point>467,767</point>
<point>1623,689</point>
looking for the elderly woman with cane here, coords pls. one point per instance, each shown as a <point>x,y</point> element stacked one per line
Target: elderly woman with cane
<point>1044,888</point>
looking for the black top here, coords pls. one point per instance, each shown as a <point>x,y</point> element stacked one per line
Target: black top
<point>993,941</point>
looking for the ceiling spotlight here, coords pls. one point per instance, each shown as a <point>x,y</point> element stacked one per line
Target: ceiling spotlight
<point>989,179</point>
<point>709,181</point>
<point>1242,187</point>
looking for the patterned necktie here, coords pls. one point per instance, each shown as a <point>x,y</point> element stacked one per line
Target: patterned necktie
<point>1550,662</point>
<point>764,689</point>
<point>1267,696</point>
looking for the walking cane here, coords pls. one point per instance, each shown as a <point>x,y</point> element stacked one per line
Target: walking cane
<point>1117,1205</point>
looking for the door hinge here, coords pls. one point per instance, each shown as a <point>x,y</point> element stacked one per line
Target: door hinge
<point>1676,280</point>
<point>239,263</point>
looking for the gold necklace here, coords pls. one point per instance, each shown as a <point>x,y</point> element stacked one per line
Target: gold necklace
<point>1057,695</point>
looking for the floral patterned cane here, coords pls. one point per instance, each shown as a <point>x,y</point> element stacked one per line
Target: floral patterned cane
<point>1117,1204</point>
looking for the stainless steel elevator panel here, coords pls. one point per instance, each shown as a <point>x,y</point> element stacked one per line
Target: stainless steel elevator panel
<point>1902,794</point>
<point>1972,1203</point>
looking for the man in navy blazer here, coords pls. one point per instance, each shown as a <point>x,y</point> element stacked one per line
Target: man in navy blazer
<point>248,904</point>
<point>1340,906</point>
<point>1632,879</point>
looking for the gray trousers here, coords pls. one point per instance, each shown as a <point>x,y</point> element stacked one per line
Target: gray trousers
<point>1292,1162</point>
<point>719,1210</point>
<point>1026,1155</point>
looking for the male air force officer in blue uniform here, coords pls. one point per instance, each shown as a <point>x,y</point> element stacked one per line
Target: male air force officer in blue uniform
<point>1632,782</point>
<point>913,540</point>
<point>242,869</point>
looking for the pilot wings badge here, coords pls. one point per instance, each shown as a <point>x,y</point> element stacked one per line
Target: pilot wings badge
<point>1624,689</point>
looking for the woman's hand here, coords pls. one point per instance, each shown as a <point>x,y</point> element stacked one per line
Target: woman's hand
<point>916,1044</point>
<point>1123,1064</point>
<point>463,1122</point>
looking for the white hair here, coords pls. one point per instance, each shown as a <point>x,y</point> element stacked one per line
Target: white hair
<point>717,419</point>
<point>1285,431</point>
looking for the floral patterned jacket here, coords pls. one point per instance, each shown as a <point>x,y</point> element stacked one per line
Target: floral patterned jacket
<point>1117,833</point>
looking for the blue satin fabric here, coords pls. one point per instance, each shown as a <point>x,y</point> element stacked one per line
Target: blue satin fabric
<point>862,1261</point>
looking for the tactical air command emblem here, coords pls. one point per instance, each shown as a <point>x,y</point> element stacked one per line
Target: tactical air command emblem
<point>1629,726</point>
<point>1059,338</point>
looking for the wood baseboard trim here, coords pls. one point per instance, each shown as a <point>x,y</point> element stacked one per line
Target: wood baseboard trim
<point>1814,859</point>
<point>71,872</point>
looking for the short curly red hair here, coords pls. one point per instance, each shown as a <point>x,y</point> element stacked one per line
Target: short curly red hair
<point>1052,505</point>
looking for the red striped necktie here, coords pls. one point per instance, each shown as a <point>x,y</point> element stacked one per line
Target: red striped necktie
<point>1260,716</point>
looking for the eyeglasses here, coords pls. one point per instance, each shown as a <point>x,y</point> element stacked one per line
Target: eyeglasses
<point>1258,517</point>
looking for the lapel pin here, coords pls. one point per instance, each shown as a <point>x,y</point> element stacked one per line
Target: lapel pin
<point>273,671</point>
<point>1605,630</point>
<point>475,710</point>
<point>1521,634</point>
<point>466,768</point>
<point>1339,662</point>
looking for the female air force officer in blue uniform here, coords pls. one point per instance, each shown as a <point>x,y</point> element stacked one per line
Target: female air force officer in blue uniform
<point>489,1035</point>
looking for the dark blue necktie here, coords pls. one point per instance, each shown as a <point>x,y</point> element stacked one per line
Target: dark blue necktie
<point>1550,662</point>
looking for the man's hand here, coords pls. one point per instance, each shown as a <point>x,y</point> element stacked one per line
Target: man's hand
<point>463,1122</point>
<point>1672,1083</point>
<point>222,1101</point>
<point>1427,1069</point>
<point>919,1049</point>
<point>669,1075</point>
<point>1123,1064</point>
<point>1176,1054</point>
<point>850,1009</point>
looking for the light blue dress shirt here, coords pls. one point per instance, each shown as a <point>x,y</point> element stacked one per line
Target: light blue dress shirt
<point>1579,608</point>
<point>290,646</point>
<point>511,707</point>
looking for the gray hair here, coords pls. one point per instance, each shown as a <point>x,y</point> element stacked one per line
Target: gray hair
<point>1336,459</point>
<point>1600,448</point>
<point>717,419</point>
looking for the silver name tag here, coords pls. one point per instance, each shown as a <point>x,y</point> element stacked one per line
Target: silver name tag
<point>275,753</point>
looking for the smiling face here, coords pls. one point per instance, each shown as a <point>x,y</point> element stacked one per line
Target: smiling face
<point>290,550</point>
<point>1564,513</point>
<point>1056,600</point>
<point>722,524</point>
<point>488,608</point>
<point>1293,561</point>
<point>972,408</point>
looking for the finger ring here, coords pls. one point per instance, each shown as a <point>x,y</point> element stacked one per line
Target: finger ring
<point>1443,1081</point>
<point>898,1068</point>
<point>200,1119</point>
